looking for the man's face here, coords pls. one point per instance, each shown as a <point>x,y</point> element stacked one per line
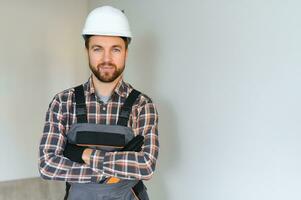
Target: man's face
<point>107,56</point>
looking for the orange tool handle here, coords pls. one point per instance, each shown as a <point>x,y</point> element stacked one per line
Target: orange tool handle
<point>113,180</point>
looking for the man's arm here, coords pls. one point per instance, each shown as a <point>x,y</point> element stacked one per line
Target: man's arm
<point>129,164</point>
<point>52,164</point>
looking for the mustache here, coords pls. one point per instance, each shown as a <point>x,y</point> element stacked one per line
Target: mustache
<point>106,63</point>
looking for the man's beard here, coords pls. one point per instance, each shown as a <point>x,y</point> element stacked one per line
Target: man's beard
<point>106,77</point>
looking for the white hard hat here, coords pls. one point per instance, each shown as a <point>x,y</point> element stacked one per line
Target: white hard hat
<point>109,21</point>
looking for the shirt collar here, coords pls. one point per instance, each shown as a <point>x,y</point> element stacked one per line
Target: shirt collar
<point>89,87</point>
<point>121,89</point>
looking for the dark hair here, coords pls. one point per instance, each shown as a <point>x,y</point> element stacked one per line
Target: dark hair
<point>87,38</point>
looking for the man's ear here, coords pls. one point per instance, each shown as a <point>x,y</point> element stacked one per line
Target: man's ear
<point>87,50</point>
<point>126,53</point>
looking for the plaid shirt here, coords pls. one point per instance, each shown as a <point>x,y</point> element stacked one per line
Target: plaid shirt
<point>125,165</point>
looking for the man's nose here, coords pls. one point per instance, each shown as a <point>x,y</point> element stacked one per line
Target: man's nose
<point>107,56</point>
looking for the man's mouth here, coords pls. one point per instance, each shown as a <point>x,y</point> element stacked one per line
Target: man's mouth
<point>106,66</point>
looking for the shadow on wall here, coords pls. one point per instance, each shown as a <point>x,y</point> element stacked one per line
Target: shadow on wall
<point>147,67</point>
<point>144,56</point>
<point>169,156</point>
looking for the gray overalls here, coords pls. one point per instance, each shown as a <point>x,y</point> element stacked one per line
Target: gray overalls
<point>106,138</point>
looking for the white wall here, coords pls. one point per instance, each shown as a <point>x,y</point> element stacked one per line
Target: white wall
<point>226,78</point>
<point>41,53</point>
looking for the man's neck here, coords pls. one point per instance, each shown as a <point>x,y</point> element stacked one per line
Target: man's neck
<point>102,88</point>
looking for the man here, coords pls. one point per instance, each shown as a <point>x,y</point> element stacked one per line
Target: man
<point>85,167</point>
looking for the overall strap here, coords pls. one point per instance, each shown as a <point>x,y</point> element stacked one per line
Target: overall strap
<point>124,114</point>
<point>81,109</point>
<point>81,116</point>
<point>126,109</point>
<point>67,189</point>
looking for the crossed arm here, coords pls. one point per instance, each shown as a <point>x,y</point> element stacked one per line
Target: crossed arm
<point>98,164</point>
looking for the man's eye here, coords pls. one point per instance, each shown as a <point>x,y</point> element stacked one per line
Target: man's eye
<point>97,49</point>
<point>116,50</point>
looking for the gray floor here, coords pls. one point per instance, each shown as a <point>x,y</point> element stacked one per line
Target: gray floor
<point>32,189</point>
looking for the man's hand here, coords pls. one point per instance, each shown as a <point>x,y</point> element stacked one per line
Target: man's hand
<point>74,152</point>
<point>86,155</point>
